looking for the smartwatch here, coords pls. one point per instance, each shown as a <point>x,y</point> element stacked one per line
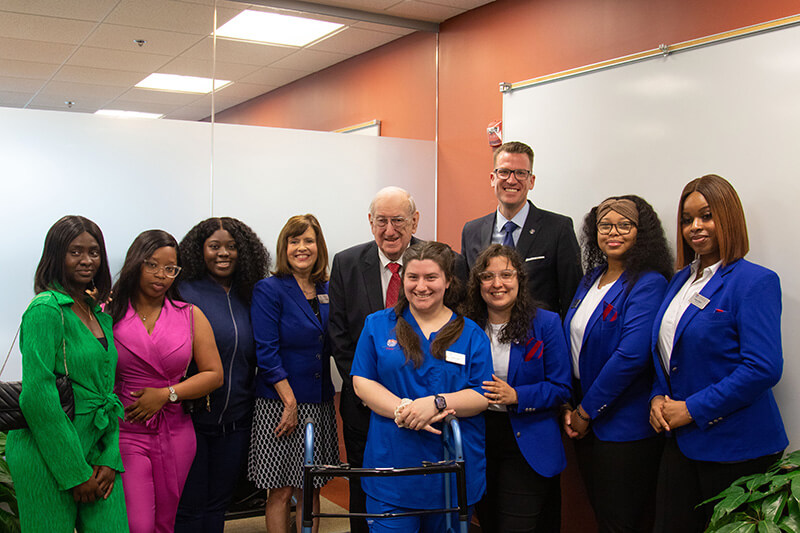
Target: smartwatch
<point>440,402</point>
<point>173,396</point>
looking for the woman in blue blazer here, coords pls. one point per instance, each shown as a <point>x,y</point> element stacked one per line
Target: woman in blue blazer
<point>608,329</point>
<point>290,322</point>
<point>524,453</point>
<point>717,350</point>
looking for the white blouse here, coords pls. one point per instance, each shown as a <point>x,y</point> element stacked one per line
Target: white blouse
<point>577,326</point>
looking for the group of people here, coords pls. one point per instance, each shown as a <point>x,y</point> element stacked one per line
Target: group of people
<point>200,363</point>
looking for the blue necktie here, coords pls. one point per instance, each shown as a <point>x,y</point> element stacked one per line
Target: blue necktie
<point>509,228</point>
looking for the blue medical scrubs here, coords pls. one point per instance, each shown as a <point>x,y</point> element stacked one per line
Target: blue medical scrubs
<point>380,358</point>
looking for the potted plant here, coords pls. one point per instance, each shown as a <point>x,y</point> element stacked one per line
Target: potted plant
<point>9,513</point>
<point>761,503</point>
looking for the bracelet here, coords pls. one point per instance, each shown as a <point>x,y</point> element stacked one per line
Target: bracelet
<point>399,409</point>
<point>578,412</point>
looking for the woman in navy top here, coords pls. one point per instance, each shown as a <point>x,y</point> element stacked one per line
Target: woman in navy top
<point>223,259</point>
<point>717,349</point>
<point>290,324</point>
<point>608,327</point>
<point>415,364</point>
<point>524,453</point>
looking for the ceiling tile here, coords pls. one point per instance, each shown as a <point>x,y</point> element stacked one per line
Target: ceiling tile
<point>38,51</point>
<point>13,99</point>
<point>38,28</point>
<point>78,92</point>
<point>205,68</point>
<point>170,15</point>
<point>188,113</point>
<point>245,90</point>
<point>415,9</point>
<point>88,104</point>
<point>26,69</point>
<point>373,6</point>
<point>21,85</point>
<point>98,76</point>
<point>246,53</point>
<point>354,41</point>
<point>382,27</point>
<point>93,10</point>
<point>310,60</point>
<point>463,5</point>
<point>87,56</point>
<point>160,42</point>
<point>159,97</point>
<point>274,76</point>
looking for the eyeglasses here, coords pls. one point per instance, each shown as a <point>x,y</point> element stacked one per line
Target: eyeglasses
<point>397,222</point>
<point>623,228</point>
<point>171,271</point>
<point>487,277</point>
<point>504,173</point>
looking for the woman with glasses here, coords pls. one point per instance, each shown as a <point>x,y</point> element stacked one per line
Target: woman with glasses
<point>524,453</point>
<point>222,261</point>
<point>608,326</point>
<point>414,364</point>
<point>157,337</point>
<point>290,325</point>
<point>717,350</point>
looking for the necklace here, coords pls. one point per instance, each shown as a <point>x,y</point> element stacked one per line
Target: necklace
<point>85,311</point>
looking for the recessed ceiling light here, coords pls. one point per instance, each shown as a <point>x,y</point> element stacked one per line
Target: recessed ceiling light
<point>181,84</point>
<point>275,29</point>
<point>126,114</point>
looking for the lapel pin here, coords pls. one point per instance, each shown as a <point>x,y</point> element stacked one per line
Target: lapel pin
<point>531,231</point>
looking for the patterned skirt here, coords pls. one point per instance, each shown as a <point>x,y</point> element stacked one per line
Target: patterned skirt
<point>276,462</point>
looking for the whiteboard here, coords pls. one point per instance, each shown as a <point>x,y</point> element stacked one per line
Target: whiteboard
<point>129,175</point>
<point>648,128</point>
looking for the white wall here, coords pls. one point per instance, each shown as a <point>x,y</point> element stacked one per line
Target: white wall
<point>133,175</point>
<point>648,128</point>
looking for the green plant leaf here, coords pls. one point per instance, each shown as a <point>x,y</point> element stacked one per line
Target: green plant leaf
<point>757,480</point>
<point>738,527</point>
<point>796,488</point>
<point>3,444</point>
<point>772,506</point>
<point>790,524</point>
<point>9,523</point>
<point>765,526</point>
<point>793,459</point>
<point>733,490</point>
<point>728,505</point>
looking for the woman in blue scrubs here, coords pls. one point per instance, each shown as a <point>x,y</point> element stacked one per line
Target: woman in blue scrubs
<point>415,364</point>
<point>717,350</point>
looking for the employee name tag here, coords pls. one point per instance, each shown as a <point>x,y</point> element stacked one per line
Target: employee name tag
<point>698,300</point>
<point>455,357</point>
<point>323,298</point>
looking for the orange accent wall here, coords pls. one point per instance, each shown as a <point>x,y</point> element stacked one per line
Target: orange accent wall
<point>395,84</point>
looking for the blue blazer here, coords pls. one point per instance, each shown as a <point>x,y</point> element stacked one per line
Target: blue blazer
<point>539,371</point>
<point>290,341</point>
<point>725,360</point>
<point>615,362</point>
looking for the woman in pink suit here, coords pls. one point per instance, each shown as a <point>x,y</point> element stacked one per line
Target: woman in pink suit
<point>157,336</point>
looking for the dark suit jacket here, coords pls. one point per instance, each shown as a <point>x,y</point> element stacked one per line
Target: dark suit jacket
<point>548,247</point>
<point>355,292</point>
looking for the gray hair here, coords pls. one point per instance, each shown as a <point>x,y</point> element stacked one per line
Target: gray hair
<point>391,191</point>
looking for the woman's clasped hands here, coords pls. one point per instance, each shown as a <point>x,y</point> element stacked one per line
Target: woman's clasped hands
<point>420,414</point>
<point>667,414</point>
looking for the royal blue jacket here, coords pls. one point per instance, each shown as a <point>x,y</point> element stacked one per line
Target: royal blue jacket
<point>725,360</point>
<point>291,343</point>
<point>229,316</point>
<point>615,363</point>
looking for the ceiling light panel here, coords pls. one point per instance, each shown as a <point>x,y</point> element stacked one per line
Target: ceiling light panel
<point>274,28</point>
<point>181,84</point>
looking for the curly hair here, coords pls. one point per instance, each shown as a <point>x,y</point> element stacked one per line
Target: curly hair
<point>127,285</point>
<point>517,330</point>
<point>252,262</point>
<point>649,252</point>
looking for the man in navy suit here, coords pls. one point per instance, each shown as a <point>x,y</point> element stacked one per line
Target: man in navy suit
<point>361,277</point>
<point>546,241</point>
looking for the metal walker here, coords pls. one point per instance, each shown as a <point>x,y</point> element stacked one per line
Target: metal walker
<point>453,463</point>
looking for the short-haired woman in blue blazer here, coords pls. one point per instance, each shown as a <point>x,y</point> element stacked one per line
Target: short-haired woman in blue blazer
<point>290,323</point>
<point>524,453</point>
<point>608,327</point>
<point>717,351</point>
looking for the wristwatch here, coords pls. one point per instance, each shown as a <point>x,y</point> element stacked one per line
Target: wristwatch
<point>440,402</point>
<point>173,396</point>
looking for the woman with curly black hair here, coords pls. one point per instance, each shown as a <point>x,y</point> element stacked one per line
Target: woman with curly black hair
<point>608,327</point>
<point>222,260</point>
<point>524,453</point>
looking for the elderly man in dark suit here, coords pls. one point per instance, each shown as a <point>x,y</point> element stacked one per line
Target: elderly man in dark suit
<point>546,241</point>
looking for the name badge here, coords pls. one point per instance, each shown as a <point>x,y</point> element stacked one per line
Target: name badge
<point>699,301</point>
<point>323,298</point>
<point>455,357</point>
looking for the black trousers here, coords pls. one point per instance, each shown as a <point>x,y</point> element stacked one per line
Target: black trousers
<point>517,498</point>
<point>620,478</point>
<point>683,483</point>
<point>355,426</point>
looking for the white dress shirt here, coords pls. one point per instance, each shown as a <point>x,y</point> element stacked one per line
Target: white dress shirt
<point>498,234</point>
<point>577,326</point>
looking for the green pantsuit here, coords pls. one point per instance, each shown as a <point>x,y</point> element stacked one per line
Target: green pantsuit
<point>56,454</point>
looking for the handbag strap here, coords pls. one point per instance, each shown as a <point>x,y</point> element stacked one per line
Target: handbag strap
<point>10,348</point>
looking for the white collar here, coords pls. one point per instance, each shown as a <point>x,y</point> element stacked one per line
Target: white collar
<point>518,219</point>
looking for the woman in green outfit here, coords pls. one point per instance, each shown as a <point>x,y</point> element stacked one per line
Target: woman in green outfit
<point>66,473</point>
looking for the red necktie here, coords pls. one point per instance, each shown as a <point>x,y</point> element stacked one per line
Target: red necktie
<point>393,290</point>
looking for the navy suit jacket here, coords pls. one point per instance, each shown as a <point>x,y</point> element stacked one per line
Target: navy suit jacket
<point>540,373</point>
<point>547,245</point>
<point>615,363</point>
<point>725,359</point>
<point>291,343</point>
